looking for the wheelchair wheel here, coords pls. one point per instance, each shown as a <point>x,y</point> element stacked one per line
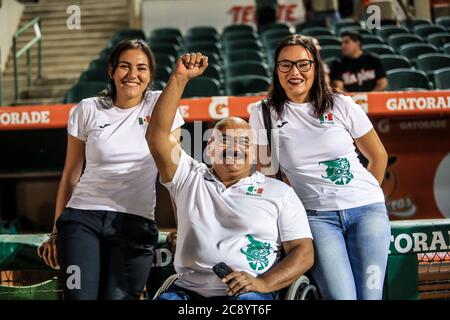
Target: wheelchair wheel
<point>301,289</point>
<point>166,284</point>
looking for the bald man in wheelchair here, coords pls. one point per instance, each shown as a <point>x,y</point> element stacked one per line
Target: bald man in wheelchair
<point>226,213</point>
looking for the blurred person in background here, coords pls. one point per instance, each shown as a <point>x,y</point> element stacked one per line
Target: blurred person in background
<point>357,70</point>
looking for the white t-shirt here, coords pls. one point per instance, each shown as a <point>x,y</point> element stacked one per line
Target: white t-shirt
<point>318,154</point>
<point>120,172</point>
<point>243,225</point>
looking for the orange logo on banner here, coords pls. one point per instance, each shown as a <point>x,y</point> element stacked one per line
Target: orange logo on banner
<point>218,108</point>
<point>362,100</point>
<point>184,111</point>
<point>34,117</point>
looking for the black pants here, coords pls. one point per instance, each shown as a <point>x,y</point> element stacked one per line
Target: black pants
<point>104,254</point>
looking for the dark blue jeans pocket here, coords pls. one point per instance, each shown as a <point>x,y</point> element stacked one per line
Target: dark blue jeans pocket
<point>312,213</point>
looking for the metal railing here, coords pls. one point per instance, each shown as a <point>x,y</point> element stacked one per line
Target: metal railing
<point>419,260</point>
<point>35,23</point>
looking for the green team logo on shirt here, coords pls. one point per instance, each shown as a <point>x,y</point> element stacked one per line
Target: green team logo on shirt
<point>257,253</point>
<point>338,171</point>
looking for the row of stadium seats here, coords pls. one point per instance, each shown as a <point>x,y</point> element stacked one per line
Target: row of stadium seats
<point>240,59</point>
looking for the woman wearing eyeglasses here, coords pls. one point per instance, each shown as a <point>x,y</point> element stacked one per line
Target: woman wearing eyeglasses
<point>314,132</point>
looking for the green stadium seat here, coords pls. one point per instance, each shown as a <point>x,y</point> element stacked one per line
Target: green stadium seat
<point>237,28</point>
<point>345,23</point>
<point>245,85</point>
<point>371,39</point>
<point>274,34</point>
<point>270,55</point>
<point>328,41</point>
<point>194,31</point>
<point>430,62</point>
<point>425,30</point>
<point>115,40</point>
<point>163,73</point>
<point>400,79</point>
<point>202,87</point>
<point>272,44</point>
<point>330,51</point>
<point>254,44</point>
<point>413,50</point>
<point>165,39</point>
<point>413,89</point>
<point>386,31</point>
<point>166,48</point>
<point>127,34</point>
<point>241,55</point>
<point>443,21</point>
<point>397,40</point>
<point>99,64</point>
<point>83,90</point>
<point>439,39</point>
<point>204,46</point>
<point>158,85</point>
<point>378,48</point>
<point>234,36</point>
<point>394,61</point>
<point>410,24</point>
<point>316,31</point>
<point>446,48</point>
<point>276,25</point>
<point>359,29</point>
<point>202,37</point>
<point>442,78</point>
<point>95,75</point>
<point>309,24</point>
<point>329,61</point>
<point>166,32</point>
<point>213,57</point>
<point>242,68</point>
<point>243,44</point>
<point>213,71</point>
<point>164,60</point>
<point>104,54</point>
<point>388,22</point>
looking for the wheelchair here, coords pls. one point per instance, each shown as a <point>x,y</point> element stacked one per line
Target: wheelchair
<point>300,289</point>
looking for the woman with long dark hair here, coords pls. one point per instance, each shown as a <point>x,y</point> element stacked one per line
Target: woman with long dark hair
<point>314,137</point>
<point>104,236</point>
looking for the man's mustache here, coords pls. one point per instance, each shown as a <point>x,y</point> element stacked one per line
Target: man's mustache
<point>237,154</point>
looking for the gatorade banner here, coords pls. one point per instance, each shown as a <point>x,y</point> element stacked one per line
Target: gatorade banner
<point>405,103</point>
<point>214,108</point>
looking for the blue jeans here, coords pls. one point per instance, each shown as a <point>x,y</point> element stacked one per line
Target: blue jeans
<point>177,293</point>
<point>351,250</point>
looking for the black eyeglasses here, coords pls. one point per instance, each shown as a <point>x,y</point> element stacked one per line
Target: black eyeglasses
<point>228,141</point>
<point>303,65</point>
